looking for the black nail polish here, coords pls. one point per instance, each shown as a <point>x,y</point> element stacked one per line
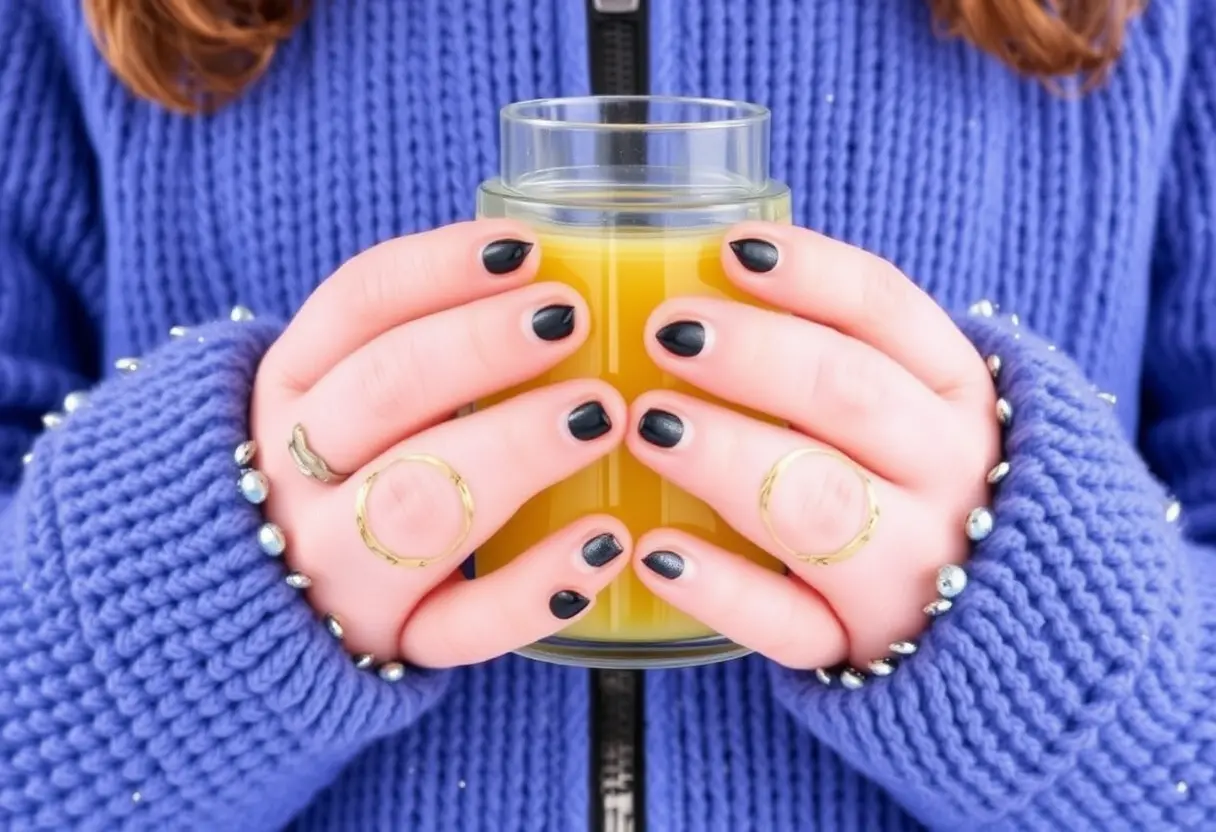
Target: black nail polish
<point>682,338</point>
<point>668,564</point>
<point>601,550</point>
<point>505,256</point>
<point>658,427</point>
<point>567,604</point>
<point>588,421</point>
<point>755,255</point>
<point>553,323</point>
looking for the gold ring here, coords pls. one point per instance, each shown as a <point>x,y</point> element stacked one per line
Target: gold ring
<point>373,543</point>
<point>306,460</point>
<point>849,549</point>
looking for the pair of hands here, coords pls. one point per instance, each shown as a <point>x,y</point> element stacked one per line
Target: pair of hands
<point>385,352</point>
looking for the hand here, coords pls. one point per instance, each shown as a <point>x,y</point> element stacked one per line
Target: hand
<point>374,366</point>
<point>867,365</point>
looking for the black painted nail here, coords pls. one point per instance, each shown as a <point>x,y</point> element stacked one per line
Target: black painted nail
<point>601,550</point>
<point>682,338</point>
<point>505,256</point>
<point>553,323</point>
<point>658,427</point>
<point>567,604</point>
<point>588,421</point>
<point>755,255</point>
<point>668,564</point>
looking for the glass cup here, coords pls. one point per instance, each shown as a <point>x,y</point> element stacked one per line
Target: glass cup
<point>630,198</point>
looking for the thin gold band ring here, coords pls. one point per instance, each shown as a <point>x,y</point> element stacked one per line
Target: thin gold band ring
<point>856,543</point>
<point>378,548</point>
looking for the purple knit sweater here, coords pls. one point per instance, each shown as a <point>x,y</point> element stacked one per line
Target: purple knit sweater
<point>156,673</point>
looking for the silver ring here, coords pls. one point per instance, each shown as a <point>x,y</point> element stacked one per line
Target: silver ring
<point>308,462</point>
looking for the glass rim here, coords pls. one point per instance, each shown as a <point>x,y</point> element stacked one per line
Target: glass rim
<point>497,188</point>
<point>750,114</point>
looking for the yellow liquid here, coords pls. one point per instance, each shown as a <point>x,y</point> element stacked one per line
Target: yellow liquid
<point>624,274</point>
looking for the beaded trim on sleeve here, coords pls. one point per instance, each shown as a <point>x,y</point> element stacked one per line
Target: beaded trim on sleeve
<point>978,525</point>
<point>253,486</point>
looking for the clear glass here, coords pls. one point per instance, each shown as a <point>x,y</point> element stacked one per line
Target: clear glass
<point>630,197</point>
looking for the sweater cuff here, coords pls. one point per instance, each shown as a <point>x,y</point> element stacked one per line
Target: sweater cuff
<point>1064,602</point>
<point>133,530</point>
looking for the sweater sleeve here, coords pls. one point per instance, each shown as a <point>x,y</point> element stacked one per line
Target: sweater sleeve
<point>155,670</point>
<point>1073,684</point>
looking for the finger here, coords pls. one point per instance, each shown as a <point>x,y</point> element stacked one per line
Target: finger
<point>776,615</point>
<point>857,293</point>
<point>395,282</point>
<point>505,455</point>
<point>534,596</point>
<point>414,375</point>
<point>817,506</point>
<point>828,385</point>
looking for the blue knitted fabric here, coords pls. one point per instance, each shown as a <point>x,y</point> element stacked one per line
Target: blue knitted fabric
<point>156,674</point>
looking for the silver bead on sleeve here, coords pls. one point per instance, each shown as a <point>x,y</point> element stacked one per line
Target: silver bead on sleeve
<point>255,488</point>
<point>951,579</point>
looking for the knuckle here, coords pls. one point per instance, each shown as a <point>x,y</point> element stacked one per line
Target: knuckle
<point>852,382</point>
<point>390,379</point>
<point>437,648</point>
<point>729,453</point>
<point>277,370</point>
<point>518,434</point>
<point>810,388</point>
<point>393,271</point>
<point>791,646</point>
<point>756,350</point>
<point>522,475</point>
<point>483,352</point>
<point>845,382</point>
<point>408,501</point>
<point>882,292</point>
<point>422,266</point>
<point>456,645</point>
<point>830,504</point>
<point>375,288</point>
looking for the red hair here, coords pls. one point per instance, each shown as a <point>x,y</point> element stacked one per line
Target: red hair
<point>193,55</point>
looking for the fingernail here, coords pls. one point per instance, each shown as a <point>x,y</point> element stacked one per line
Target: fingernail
<point>553,323</point>
<point>755,255</point>
<point>567,604</point>
<point>682,338</point>
<point>668,564</point>
<point>505,256</point>
<point>588,421</point>
<point>601,550</point>
<point>658,427</point>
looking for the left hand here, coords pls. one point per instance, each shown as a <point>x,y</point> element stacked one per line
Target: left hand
<point>869,366</point>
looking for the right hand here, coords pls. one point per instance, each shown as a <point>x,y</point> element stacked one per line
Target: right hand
<point>375,365</point>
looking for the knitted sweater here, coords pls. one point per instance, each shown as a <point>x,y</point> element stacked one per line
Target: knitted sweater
<point>157,674</point>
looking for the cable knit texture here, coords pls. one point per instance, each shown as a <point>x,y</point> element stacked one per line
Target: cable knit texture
<point>156,651</point>
<point>155,673</point>
<point>1066,680</point>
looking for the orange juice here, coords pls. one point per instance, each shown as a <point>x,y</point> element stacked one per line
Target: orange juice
<point>624,274</point>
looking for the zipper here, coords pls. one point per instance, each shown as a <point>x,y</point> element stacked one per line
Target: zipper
<point>616,749</point>
<point>618,42</point>
<point>618,39</point>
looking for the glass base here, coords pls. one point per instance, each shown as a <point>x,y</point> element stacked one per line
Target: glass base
<point>635,655</point>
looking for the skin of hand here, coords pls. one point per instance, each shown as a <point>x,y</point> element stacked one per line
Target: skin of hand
<point>847,354</point>
<point>374,366</point>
